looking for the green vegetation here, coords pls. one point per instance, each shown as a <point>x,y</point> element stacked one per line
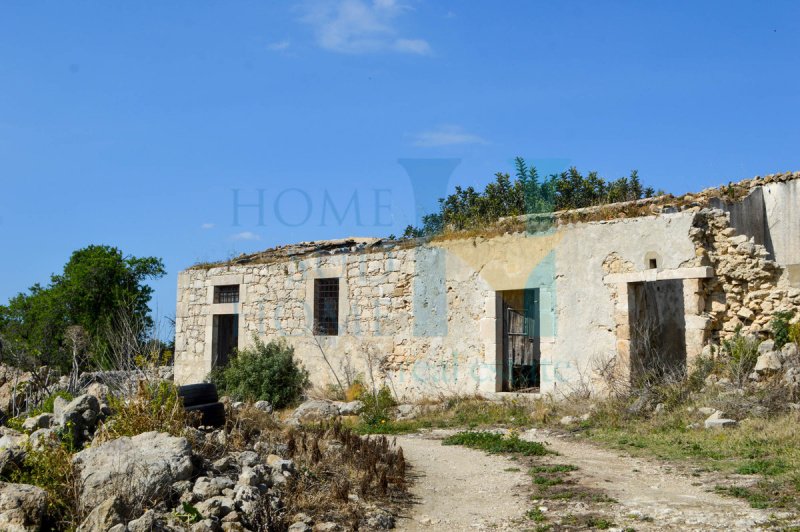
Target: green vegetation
<point>264,371</point>
<point>77,311</point>
<point>781,331</point>
<point>377,407</point>
<point>497,443</point>
<point>742,354</point>
<point>527,193</point>
<point>154,407</point>
<point>459,412</point>
<point>50,468</point>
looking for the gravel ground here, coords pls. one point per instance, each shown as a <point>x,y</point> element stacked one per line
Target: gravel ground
<point>456,488</point>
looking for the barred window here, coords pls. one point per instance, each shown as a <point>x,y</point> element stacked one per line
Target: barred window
<point>226,294</point>
<point>326,307</point>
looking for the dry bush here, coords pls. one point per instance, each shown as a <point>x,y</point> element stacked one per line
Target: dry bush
<point>50,468</point>
<point>154,407</point>
<point>336,462</point>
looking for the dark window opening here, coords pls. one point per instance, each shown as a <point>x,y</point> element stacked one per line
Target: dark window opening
<point>521,341</point>
<point>226,294</point>
<point>326,307</point>
<point>653,264</point>
<point>226,338</point>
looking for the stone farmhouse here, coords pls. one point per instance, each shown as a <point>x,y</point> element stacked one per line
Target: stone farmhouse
<point>542,304</point>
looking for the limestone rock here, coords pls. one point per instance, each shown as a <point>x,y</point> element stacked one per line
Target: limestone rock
<point>136,467</point>
<point>104,516</point>
<point>21,507</point>
<point>264,406</point>
<point>248,459</point>
<point>44,437</point>
<point>314,411</point>
<point>79,416</point>
<point>42,421</point>
<point>353,408</point>
<point>215,507</point>
<point>716,421</point>
<point>407,411</point>
<point>789,352</point>
<point>568,420</point>
<point>246,499</point>
<point>768,362</point>
<point>10,380</point>
<point>279,464</point>
<point>379,520</point>
<point>12,448</point>
<point>767,346</point>
<point>148,522</point>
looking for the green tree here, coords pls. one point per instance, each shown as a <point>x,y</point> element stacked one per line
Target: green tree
<point>98,283</point>
<point>468,208</point>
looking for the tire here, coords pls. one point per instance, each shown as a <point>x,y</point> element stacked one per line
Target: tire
<point>198,394</point>
<point>211,415</point>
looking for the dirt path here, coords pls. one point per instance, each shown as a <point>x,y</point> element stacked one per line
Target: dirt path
<point>463,489</point>
<point>651,495</point>
<point>456,488</point>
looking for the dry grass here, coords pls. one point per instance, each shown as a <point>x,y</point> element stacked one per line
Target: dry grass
<point>154,407</point>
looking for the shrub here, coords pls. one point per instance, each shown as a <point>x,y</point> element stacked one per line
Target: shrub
<point>51,469</point>
<point>155,406</point>
<point>265,372</point>
<point>780,328</point>
<point>794,333</point>
<point>743,354</point>
<point>377,406</point>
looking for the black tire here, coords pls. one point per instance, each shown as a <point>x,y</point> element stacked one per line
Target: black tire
<point>198,394</point>
<point>211,415</point>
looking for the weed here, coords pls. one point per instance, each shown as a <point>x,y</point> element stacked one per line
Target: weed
<point>544,481</point>
<point>754,497</point>
<point>780,328</point>
<point>377,407</point>
<point>497,443</point>
<point>743,354</point>
<point>50,468</point>
<point>555,468</point>
<point>154,407</point>
<point>188,513</point>
<point>535,514</point>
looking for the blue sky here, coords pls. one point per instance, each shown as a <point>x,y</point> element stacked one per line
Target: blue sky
<point>131,124</point>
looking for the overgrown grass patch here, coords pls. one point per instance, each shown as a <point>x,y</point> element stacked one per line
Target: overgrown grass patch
<point>553,468</point>
<point>497,443</point>
<point>458,412</point>
<point>767,447</point>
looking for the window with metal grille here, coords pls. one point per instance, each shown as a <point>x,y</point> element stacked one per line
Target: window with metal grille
<point>226,294</point>
<point>326,307</point>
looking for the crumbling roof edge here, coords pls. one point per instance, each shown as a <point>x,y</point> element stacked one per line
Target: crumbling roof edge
<point>654,206</point>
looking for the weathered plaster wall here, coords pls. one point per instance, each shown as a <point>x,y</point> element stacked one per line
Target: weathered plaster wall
<point>782,206</point>
<point>426,316</point>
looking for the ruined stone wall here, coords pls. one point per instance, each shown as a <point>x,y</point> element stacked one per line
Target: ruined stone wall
<point>748,288</point>
<point>378,326</point>
<point>425,317</point>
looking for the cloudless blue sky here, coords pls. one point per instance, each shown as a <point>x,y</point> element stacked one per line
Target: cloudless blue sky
<point>131,124</point>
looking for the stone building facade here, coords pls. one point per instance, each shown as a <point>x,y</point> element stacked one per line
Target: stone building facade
<point>596,294</point>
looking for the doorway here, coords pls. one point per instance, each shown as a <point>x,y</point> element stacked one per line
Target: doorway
<point>226,338</point>
<point>657,330</point>
<point>521,340</point>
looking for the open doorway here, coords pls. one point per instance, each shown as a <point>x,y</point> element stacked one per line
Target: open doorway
<point>657,329</point>
<point>521,340</point>
<point>226,338</point>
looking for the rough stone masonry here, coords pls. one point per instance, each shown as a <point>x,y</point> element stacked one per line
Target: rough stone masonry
<point>630,286</point>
